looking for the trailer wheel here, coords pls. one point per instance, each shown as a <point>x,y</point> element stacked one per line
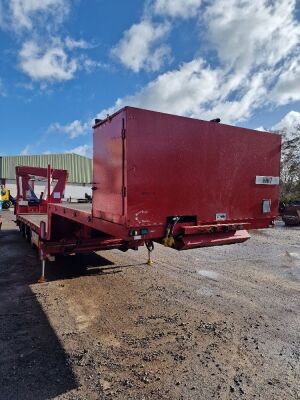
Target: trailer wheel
<point>28,234</point>
<point>22,228</point>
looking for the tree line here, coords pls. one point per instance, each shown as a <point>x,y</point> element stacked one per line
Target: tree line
<point>290,166</point>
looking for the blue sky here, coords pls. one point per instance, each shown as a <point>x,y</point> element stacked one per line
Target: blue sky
<point>64,62</point>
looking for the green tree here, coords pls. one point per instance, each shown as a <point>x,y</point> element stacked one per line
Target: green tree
<point>290,166</point>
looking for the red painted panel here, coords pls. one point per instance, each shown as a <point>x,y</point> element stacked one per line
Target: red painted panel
<point>178,166</point>
<point>184,166</point>
<point>108,169</point>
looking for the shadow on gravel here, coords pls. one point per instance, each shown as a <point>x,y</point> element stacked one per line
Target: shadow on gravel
<point>74,266</point>
<point>33,363</point>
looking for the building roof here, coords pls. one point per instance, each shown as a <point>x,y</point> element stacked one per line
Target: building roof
<point>78,167</point>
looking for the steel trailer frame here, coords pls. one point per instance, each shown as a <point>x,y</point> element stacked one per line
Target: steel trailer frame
<point>61,228</point>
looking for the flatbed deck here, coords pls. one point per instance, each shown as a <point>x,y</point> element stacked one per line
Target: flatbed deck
<point>85,207</point>
<point>34,220</point>
<point>80,213</point>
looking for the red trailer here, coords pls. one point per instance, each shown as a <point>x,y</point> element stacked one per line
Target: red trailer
<point>182,182</point>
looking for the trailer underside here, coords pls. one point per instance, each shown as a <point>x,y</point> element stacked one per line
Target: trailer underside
<point>70,228</point>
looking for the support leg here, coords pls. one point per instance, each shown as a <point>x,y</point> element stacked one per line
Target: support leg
<point>149,261</point>
<point>43,278</point>
<point>150,248</point>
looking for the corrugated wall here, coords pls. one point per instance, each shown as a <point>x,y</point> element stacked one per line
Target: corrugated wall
<point>79,167</point>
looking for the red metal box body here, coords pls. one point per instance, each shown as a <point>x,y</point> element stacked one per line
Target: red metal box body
<point>149,166</point>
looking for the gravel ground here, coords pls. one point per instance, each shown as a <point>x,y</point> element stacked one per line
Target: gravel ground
<point>215,323</point>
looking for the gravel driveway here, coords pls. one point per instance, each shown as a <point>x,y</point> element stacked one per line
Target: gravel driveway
<point>214,323</point>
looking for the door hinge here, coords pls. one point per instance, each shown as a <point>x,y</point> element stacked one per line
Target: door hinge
<point>124,191</point>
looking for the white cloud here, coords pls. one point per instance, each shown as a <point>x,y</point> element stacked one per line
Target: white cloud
<point>72,130</point>
<point>257,61</point>
<point>44,56</point>
<point>287,88</point>
<point>83,150</point>
<point>251,96</point>
<point>261,129</point>
<point>138,48</point>
<point>77,44</point>
<point>46,63</point>
<point>250,33</point>
<point>52,62</point>
<point>88,65</point>
<point>289,123</point>
<point>177,8</point>
<point>256,44</point>
<point>22,12</point>
<point>26,150</point>
<point>182,91</point>
<point>197,90</point>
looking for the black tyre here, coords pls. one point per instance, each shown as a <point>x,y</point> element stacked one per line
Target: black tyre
<point>28,234</point>
<point>23,229</point>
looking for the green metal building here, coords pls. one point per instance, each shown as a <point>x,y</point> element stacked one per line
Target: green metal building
<point>78,167</point>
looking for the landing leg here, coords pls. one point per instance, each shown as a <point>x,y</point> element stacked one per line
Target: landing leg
<point>149,261</point>
<point>150,248</point>
<point>42,278</point>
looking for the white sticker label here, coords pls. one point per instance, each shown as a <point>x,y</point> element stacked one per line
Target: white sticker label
<point>266,206</point>
<point>220,217</point>
<point>267,180</point>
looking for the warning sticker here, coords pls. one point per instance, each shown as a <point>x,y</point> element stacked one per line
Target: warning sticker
<point>220,216</point>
